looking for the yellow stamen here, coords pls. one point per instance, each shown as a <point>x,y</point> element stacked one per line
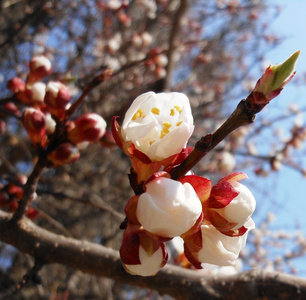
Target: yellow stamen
<point>155,110</point>
<point>167,125</point>
<point>151,142</point>
<point>137,114</point>
<point>179,123</point>
<point>178,108</point>
<point>162,134</point>
<point>172,112</point>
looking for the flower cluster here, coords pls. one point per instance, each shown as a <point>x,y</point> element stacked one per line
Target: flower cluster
<point>47,107</point>
<point>11,194</point>
<point>212,220</point>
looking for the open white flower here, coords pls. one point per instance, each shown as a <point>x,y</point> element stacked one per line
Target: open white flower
<point>220,249</point>
<point>149,264</point>
<point>168,208</point>
<point>159,125</point>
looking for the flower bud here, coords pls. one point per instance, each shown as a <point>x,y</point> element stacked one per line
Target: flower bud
<point>33,95</point>
<point>217,248</point>
<point>168,208</point>
<point>89,127</point>
<point>272,82</point>
<point>159,125</point>
<point>12,108</point>
<point>227,162</point>
<point>34,122</point>
<point>65,153</point>
<point>240,209</point>
<point>16,85</point>
<point>57,98</point>
<point>229,205</point>
<point>40,66</point>
<point>142,254</point>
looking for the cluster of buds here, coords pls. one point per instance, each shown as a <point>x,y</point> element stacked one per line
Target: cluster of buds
<point>157,62</point>
<point>212,220</point>
<point>11,194</point>
<point>47,106</point>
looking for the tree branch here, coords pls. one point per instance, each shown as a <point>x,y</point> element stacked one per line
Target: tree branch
<point>175,281</point>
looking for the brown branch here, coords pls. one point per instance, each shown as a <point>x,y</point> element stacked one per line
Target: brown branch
<point>242,115</point>
<point>177,282</point>
<point>29,189</point>
<point>173,40</point>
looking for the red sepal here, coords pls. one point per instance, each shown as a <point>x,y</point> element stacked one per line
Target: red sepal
<point>201,185</point>
<point>189,255</point>
<point>236,176</point>
<point>222,194</point>
<point>237,232</point>
<point>130,209</point>
<point>129,250</point>
<point>115,132</point>
<point>218,221</point>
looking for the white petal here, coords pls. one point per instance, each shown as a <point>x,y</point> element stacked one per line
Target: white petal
<point>149,266</point>
<point>242,207</point>
<point>168,208</point>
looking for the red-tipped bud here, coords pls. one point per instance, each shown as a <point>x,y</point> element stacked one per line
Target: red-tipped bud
<point>141,253</point>
<point>57,98</point>
<point>34,122</point>
<point>12,108</point>
<point>40,67</point>
<point>89,127</point>
<point>33,95</point>
<point>16,85</point>
<point>272,82</point>
<point>65,153</point>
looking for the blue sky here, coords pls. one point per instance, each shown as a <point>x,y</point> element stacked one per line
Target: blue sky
<point>290,187</point>
<point>286,190</point>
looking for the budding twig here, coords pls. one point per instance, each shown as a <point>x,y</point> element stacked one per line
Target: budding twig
<point>244,114</point>
<point>29,190</point>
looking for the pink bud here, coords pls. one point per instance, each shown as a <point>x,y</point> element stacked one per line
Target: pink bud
<point>40,66</point>
<point>57,98</point>
<point>12,108</point>
<point>33,94</point>
<point>65,153</point>
<point>34,122</point>
<point>89,127</point>
<point>161,60</point>
<point>16,85</point>
<point>141,253</point>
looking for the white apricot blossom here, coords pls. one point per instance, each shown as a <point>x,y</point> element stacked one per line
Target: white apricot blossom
<point>168,208</point>
<point>149,264</point>
<point>159,125</point>
<point>220,249</point>
<point>240,209</point>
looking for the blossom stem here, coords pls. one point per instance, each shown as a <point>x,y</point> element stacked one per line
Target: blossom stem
<point>29,190</point>
<point>244,114</point>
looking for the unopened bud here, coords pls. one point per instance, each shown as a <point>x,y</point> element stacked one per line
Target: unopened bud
<point>272,82</point>
<point>33,95</point>
<point>34,122</point>
<point>57,98</point>
<point>89,127</point>
<point>40,66</point>
<point>16,85</point>
<point>65,153</point>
